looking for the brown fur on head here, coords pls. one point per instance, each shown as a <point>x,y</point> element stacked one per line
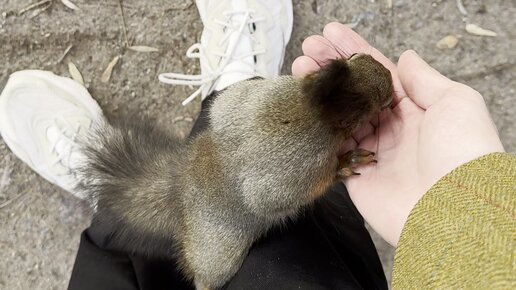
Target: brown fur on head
<point>348,91</point>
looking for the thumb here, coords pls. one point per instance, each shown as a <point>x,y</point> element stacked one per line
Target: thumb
<point>422,83</point>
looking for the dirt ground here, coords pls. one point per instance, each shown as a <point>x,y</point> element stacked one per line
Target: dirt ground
<point>40,224</point>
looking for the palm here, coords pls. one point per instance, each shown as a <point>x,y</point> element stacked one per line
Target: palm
<point>419,140</point>
<point>397,153</point>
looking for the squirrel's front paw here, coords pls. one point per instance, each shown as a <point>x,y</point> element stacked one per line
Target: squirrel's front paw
<point>352,159</point>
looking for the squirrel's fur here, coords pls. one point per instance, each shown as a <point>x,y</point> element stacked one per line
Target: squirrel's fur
<point>271,148</point>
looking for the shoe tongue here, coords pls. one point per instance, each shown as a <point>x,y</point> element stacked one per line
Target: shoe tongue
<point>243,68</point>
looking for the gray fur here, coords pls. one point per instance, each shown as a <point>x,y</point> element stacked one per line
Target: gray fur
<point>266,154</point>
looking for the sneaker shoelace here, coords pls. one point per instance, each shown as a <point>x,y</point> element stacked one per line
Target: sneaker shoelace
<point>67,138</point>
<point>208,79</point>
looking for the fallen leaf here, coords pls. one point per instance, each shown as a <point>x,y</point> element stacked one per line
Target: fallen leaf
<point>143,48</point>
<point>477,30</point>
<point>109,70</point>
<point>75,73</point>
<point>449,41</point>
<point>69,4</point>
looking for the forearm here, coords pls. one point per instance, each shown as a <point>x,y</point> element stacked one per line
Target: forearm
<point>462,233</point>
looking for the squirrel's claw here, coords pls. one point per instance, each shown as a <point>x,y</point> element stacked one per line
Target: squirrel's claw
<point>352,159</point>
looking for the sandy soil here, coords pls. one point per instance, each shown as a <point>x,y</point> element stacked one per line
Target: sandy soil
<point>40,224</point>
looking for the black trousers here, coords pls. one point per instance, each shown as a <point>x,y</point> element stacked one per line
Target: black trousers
<point>327,247</point>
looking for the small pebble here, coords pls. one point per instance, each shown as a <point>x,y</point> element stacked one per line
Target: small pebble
<point>447,42</point>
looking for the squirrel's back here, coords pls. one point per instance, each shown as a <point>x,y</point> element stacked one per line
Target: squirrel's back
<point>277,147</point>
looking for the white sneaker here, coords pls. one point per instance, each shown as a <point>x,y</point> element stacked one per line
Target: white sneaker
<point>241,39</point>
<point>41,117</point>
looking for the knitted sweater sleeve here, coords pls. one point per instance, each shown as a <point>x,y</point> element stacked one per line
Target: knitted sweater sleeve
<point>462,233</point>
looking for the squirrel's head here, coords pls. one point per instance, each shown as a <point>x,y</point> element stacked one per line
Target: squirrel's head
<point>348,91</point>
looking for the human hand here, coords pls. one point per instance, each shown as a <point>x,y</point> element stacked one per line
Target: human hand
<point>433,126</point>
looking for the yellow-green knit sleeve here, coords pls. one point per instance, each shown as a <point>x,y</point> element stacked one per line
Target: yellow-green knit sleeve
<point>462,233</point>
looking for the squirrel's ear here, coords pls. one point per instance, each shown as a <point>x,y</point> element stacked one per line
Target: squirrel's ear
<point>331,91</point>
<point>322,84</point>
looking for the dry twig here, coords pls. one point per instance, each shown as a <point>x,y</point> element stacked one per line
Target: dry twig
<point>40,10</point>
<point>179,7</point>
<point>123,22</point>
<point>8,202</point>
<point>182,118</point>
<point>461,8</point>
<point>32,6</point>
<point>65,53</point>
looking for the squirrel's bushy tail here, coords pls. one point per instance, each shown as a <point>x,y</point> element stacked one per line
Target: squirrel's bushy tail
<point>131,177</point>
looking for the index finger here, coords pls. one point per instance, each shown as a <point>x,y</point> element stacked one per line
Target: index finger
<point>344,42</point>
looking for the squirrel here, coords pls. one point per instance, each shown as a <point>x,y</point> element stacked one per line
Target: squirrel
<point>272,147</point>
